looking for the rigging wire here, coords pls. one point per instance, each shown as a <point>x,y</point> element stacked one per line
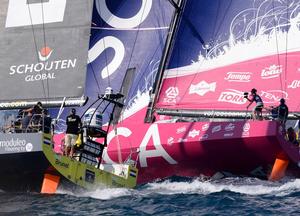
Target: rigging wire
<point>94,75</point>
<point>286,45</point>
<point>137,34</point>
<point>277,46</point>
<point>200,65</point>
<point>108,74</point>
<point>35,45</point>
<point>106,58</point>
<point>128,65</point>
<point>45,44</point>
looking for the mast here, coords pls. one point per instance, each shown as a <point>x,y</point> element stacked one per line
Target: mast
<point>166,53</point>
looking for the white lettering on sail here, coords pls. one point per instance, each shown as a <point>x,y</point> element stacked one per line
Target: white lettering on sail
<point>159,151</point>
<point>121,131</point>
<point>238,76</point>
<point>273,96</point>
<point>171,95</point>
<point>202,88</point>
<point>123,23</point>
<point>18,12</point>
<point>101,46</point>
<point>294,84</point>
<point>232,96</point>
<point>43,70</point>
<point>271,72</point>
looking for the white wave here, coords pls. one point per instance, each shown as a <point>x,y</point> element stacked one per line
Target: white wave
<point>109,193</point>
<point>246,186</point>
<point>249,187</point>
<point>102,193</point>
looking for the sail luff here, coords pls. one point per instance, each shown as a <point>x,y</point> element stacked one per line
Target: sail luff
<point>166,54</point>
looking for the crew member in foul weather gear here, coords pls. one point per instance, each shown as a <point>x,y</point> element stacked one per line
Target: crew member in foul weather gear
<point>257,110</point>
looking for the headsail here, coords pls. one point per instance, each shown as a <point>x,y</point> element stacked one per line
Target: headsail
<point>43,54</point>
<point>125,35</point>
<point>225,48</point>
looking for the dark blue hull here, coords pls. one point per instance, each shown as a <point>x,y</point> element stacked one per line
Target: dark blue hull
<point>22,171</point>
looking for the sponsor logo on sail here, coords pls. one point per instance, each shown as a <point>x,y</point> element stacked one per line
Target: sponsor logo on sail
<point>273,96</point>
<point>232,96</point>
<point>229,127</point>
<point>17,14</point>
<point>202,88</point>
<point>44,69</point>
<point>238,76</point>
<point>171,95</point>
<point>295,84</point>
<point>216,129</point>
<point>194,133</point>
<point>271,72</point>
<point>45,53</point>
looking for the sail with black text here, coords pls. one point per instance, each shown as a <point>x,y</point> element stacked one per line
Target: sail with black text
<point>43,52</point>
<point>43,64</point>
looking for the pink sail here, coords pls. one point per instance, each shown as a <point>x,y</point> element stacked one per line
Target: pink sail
<point>223,88</point>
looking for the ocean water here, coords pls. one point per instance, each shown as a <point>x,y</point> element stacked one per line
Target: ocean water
<point>175,196</point>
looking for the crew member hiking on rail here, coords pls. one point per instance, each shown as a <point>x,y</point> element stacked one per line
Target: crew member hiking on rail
<point>74,124</point>
<point>257,110</point>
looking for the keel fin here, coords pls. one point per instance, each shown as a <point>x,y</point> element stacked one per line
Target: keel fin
<point>279,167</point>
<point>50,183</point>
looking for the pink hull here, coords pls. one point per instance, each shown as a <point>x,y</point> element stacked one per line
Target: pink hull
<point>194,148</point>
<point>191,149</point>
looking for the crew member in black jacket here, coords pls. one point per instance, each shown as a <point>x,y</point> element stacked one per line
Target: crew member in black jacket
<point>74,124</point>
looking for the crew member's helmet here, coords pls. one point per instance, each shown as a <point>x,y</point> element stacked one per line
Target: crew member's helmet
<point>282,101</point>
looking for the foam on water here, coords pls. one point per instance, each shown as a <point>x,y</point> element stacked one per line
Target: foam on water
<point>247,186</point>
<point>102,193</point>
